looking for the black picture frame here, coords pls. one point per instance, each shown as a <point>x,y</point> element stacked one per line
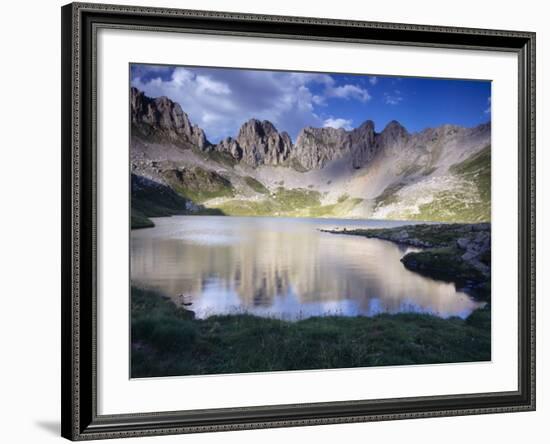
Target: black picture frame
<point>80,22</point>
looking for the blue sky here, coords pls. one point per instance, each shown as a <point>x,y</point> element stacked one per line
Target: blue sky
<point>220,100</point>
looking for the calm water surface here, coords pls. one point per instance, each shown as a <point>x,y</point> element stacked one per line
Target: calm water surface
<point>284,268</point>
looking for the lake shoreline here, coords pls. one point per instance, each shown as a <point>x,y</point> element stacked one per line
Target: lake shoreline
<point>457,253</point>
<point>167,340</point>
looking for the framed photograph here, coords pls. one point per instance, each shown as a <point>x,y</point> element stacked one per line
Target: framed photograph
<point>281,221</point>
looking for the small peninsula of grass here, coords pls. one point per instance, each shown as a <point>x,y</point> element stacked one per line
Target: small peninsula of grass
<point>167,340</point>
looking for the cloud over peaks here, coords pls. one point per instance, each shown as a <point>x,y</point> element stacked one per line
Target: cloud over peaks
<point>220,100</point>
<point>338,123</point>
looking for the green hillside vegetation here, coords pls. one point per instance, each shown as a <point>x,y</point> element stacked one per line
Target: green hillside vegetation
<point>283,202</point>
<point>467,204</point>
<point>340,209</point>
<point>296,202</point>
<point>468,201</point>
<point>389,195</point>
<point>478,169</point>
<point>151,199</point>
<point>198,184</point>
<point>217,156</point>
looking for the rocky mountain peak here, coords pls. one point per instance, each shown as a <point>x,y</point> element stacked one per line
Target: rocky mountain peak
<point>231,147</point>
<point>395,128</point>
<point>393,135</point>
<point>262,144</point>
<point>161,117</point>
<point>363,144</point>
<point>315,147</point>
<point>255,128</point>
<point>367,125</point>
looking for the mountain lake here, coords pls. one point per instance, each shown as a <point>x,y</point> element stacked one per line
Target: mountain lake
<point>284,268</point>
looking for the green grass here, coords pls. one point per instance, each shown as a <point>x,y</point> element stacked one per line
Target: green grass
<point>297,197</point>
<point>198,184</point>
<point>445,264</point>
<point>150,199</point>
<point>450,206</point>
<point>256,185</point>
<point>297,202</point>
<point>167,340</point>
<point>283,202</point>
<point>343,198</point>
<point>478,168</point>
<point>217,156</point>
<point>466,205</point>
<point>340,209</point>
<point>389,195</point>
<point>469,201</point>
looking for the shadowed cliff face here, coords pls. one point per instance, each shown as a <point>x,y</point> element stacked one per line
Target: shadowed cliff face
<point>439,174</point>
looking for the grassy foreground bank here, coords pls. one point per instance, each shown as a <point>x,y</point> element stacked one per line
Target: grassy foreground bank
<point>167,340</point>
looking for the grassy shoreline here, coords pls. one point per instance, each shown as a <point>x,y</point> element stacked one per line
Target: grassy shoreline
<point>167,340</point>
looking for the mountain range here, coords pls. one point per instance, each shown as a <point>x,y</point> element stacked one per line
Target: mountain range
<point>438,174</point>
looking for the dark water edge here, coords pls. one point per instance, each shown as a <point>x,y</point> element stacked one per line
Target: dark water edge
<point>167,340</point>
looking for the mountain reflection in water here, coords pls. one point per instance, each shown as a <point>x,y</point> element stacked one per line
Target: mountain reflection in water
<point>284,268</point>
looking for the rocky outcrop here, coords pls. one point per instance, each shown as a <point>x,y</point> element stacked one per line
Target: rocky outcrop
<point>315,147</point>
<point>477,247</point>
<point>394,134</point>
<point>363,144</point>
<point>231,147</point>
<point>262,144</point>
<point>162,118</point>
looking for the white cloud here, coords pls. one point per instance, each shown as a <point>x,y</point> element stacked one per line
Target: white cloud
<point>206,84</point>
<point>338,123</point>
<point>348,91</point>
<point>393,98</point>
<point>319,100</point>
<point>373,80</point>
